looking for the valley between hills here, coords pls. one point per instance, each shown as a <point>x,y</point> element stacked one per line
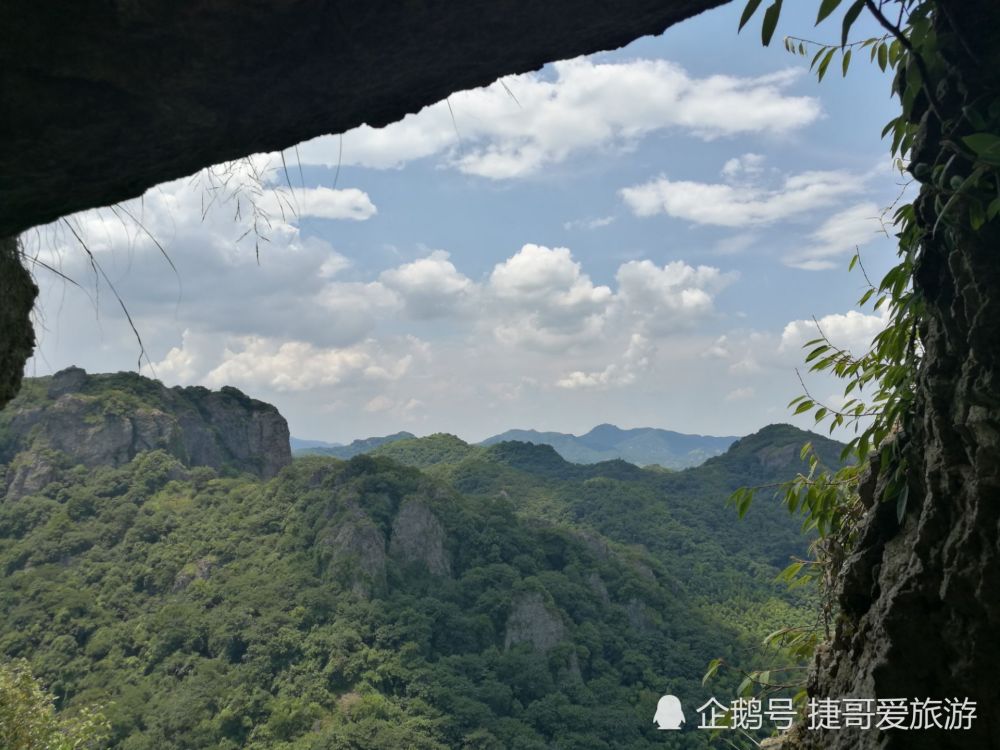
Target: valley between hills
<point>167,559</point>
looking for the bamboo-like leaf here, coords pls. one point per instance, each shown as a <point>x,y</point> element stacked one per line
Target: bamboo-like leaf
<point>904,494</point>
<point>803,407</point>
<point>849,18</point>
<point>771,16</point>
<point>825,9</point>
<point>748,11</point>
<point>825,63</point>
<point>713,667</point>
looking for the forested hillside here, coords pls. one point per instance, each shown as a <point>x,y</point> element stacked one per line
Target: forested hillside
<point>679,518</point>
<point>482,597</point>
<point>354,448</point>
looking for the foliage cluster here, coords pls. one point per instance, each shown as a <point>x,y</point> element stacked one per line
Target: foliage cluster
<point>28,719</point>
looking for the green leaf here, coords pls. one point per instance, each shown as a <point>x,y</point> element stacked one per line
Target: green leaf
<point>977,217</point>
<point>816,352</point>
<point>790,572</point>
<point>748,11</point>
<point>904,494</point>
<point>825,63</point>
<point>986,146</point>
<point>849,18</point>
<point>771,637</point>
<point>713,667</point>
<point>816,58</point>
<point>846,62</point>
<point>770,22</point>
<point>746,686</point>
<point>883,56</point>
<point>803,407</point>
<point>825,9</point>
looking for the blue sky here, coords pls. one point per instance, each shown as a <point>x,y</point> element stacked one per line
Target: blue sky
<point>639,237</point>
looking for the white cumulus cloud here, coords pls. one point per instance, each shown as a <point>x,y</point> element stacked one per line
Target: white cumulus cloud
<point>322,203</point>
<point>853,331</point>
<point>544,300</point>
<point>583,105</point>
<point>430,287</point>
<point>669,297</point>
<point>726,204</point>
<point>839,235</point>
<point>636,360</point>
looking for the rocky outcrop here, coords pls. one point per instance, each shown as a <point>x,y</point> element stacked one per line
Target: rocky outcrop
<point>418,537</point>
<point>532,621</point>
<point>920,599</point>
<point>199,570</point>
<point>356,547</point>
<point>17,337</point>
<point>639,616</point>
<point>28,473</point>
<point>107,420</point>
<point>247,433</point>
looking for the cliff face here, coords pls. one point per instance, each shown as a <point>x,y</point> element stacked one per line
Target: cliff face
<point>920,599</point>
<point>106,420</point>
<point>533,621</point>
<point>17,337</point>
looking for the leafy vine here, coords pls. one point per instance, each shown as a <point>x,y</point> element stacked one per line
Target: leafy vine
<point>949,143</point>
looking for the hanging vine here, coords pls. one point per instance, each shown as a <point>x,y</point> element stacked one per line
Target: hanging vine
<point>948,142</point>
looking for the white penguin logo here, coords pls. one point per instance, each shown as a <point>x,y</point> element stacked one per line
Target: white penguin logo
<point>669,714</point>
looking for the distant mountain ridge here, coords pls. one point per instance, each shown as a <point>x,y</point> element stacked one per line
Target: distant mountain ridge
<point>355,448</point>
<point>642,446</point>
<point>301,444</point>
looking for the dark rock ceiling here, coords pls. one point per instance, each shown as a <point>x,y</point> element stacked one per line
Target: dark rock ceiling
<point>102,99</point>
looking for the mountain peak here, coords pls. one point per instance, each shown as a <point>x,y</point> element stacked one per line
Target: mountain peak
<point>643,446</point>
<point>106,419</point>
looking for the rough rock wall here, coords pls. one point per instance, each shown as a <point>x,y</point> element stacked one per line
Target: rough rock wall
<point>419,537</point>
<point>921,599</point>
<point>102,100</point>
<point>357,551</point>
<point>17,337</point>
<point>533,621</point>
<point>106,420</point>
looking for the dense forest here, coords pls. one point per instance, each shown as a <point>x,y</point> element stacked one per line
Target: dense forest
<point>429,594</point>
